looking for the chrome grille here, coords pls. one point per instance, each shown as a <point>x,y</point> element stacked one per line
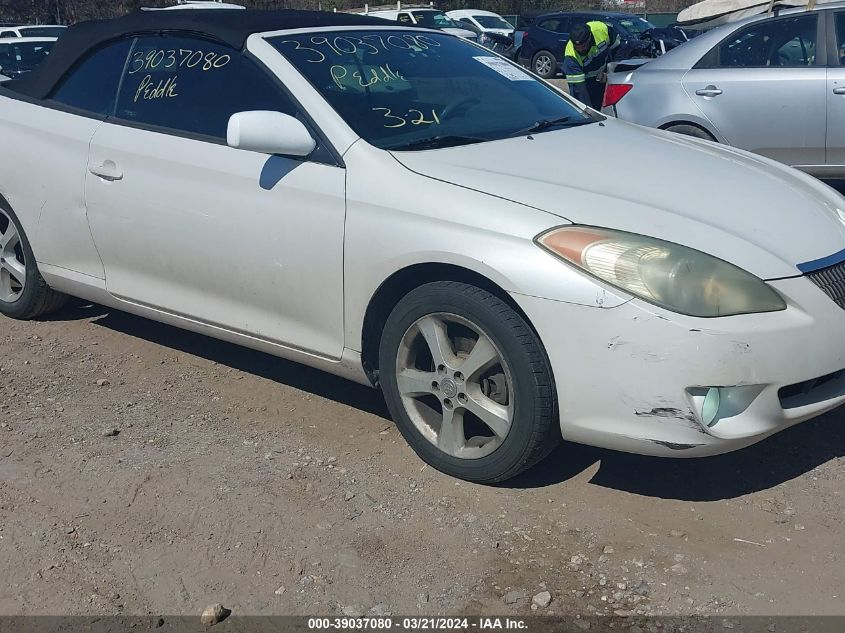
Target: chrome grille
<point>832,281</point>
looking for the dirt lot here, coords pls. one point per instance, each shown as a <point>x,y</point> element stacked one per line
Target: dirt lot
<point>145,470</point>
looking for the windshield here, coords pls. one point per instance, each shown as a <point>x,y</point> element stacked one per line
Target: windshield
<point>42,31</point>
<point>635,25</point>
<point>22,57</point>
<point>401,89</point>
<point>434,20</point>
<point>493,22</point>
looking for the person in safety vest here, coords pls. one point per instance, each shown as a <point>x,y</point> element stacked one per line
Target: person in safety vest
<point>585,60</point>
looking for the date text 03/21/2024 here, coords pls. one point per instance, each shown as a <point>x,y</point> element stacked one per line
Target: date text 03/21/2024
<point>417,624</point>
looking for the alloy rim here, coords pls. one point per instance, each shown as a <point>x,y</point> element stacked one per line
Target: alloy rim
<point>12,261</point>
<point>455,385</point>
<point>544,65</point>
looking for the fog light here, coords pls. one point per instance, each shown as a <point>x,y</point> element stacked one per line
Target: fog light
<point>710,408</point>
<point>721,410</point>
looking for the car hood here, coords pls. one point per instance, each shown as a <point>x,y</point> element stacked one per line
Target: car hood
<point>750,211</point>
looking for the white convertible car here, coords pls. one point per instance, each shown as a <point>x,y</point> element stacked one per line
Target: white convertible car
<point>411,211</point>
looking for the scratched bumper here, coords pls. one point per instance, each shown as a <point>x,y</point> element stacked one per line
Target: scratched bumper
<point>629,378</point>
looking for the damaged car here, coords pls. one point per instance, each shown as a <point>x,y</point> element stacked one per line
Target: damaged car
<point>412,212</point>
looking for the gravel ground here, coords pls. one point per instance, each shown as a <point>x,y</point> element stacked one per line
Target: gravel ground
<point>146,470</point>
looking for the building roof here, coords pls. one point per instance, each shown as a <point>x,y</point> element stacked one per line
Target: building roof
<point>228,26</point>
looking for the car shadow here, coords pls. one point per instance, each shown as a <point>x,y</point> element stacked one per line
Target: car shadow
<point>273,368</point>
<point>778,459</point>
<point>76,310</point>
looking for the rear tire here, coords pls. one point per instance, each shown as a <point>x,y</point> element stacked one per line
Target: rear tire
<point>484,409</point>
<point>690,130</point>
<point>23,292</point>
<point>544,64</point>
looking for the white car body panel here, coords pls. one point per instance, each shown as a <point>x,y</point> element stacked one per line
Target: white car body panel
<point>184,227</point>
<point>189,236</point>
<point>446,224</point>
<point>653,357</point>
<point>733,222</point>
<point>57,143</point>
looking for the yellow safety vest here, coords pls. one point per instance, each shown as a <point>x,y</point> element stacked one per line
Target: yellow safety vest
<point>601,37</point>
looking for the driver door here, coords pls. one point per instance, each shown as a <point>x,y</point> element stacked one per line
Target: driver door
<point>234,239</point>
<point>763,89</point>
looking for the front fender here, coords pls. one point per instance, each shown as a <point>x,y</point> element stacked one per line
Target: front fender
<point>403,219</point>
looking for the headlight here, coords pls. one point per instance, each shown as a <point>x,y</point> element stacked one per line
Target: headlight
<point>672,276</point>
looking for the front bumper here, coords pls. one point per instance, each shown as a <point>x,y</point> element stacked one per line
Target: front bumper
<point>633,378</point>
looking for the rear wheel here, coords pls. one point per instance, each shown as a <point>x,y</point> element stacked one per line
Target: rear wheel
<point>23,292</point>
<point>544,64</point>
<point>690,130</point>
<point>468,383</point>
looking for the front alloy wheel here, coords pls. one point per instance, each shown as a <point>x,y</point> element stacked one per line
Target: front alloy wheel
<point>468,382</point>
<point>455,386</point>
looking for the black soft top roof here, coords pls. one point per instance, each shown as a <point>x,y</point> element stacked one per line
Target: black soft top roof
<point>229,26</point>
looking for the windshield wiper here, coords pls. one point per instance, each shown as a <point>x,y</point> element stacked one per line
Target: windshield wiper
<point>564,121</point>
<point>435,142</point>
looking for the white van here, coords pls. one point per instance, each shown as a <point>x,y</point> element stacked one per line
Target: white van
<point>429,18</point>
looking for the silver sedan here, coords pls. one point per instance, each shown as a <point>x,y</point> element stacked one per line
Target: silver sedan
<point>774,85</point>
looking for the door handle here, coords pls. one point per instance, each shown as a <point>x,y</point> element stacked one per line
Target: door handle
<point>839,91</point>
<point>709,91</point>
<point>107,170</point>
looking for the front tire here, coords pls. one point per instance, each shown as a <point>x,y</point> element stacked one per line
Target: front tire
<point>23,292</point>
<point>468,383</point>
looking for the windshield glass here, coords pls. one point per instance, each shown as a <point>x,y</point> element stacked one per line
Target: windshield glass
<point>401,89</point>
<point>42,31</point>
<point>434,20</point>
<point>493,22</point>
<point>23,57</point>
<point>635,25</point>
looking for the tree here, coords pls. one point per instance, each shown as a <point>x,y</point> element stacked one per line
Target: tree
<point>70,11</point>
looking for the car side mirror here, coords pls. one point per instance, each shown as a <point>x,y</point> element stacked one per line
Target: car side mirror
<point>269,132</point>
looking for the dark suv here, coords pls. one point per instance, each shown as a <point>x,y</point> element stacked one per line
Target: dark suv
<point>544,43</point>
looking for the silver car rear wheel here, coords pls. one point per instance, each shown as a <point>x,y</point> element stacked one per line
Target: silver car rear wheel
<point>455,385</point>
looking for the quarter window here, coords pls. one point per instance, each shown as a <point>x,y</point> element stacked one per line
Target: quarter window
<point>92,85</point>
<point>840,37</point>
<point>784,43</point>
<point>193,86</point>
<point>558,25</point>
